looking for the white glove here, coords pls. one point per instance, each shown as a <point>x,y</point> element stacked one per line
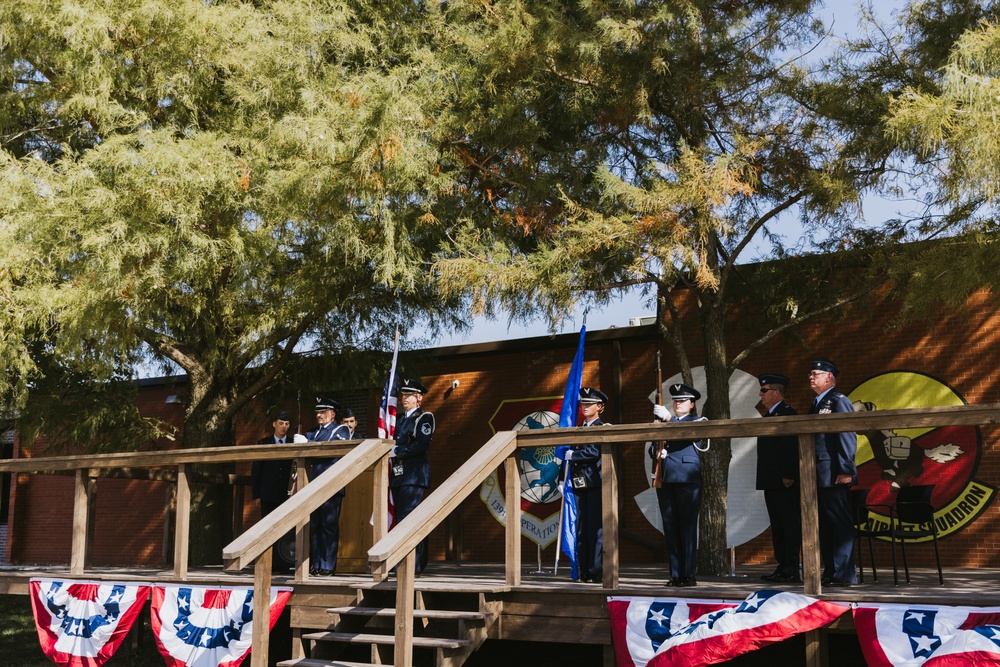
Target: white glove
<point>298,437</point>
<point>663,453</point>
<point>660,412</point>
<point>568,456</point>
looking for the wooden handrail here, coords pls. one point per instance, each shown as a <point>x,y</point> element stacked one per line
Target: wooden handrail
<point>174,457</point>
<point>404,537</point>
<point>262,535</point>
<point>961,415</point>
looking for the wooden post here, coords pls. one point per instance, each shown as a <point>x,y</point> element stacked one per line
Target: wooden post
<point>403,651</point>
<point>91,520</point>
<point>261,609</point>
<point>816,653</point>
<point>239,500</point>
<point>302,530</point>
<point>182,523</point>
<point>380,500</point>
<point>81,507</point>
<point>609,520</point>
<point>512,493</point>
<point>809,504</point>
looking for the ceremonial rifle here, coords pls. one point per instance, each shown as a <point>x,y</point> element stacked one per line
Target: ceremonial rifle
<point>658,463</point>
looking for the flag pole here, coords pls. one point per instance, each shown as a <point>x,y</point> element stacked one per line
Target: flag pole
<point>562,506</point>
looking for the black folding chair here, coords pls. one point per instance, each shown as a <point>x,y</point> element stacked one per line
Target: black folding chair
<point>864,528</point>
<point>915,521</point>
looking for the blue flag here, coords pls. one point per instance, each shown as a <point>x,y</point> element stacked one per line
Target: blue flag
<point>567,417</point>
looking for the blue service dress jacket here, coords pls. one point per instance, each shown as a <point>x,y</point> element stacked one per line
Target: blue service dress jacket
<point>682,465</point>
<point>330,432</point>
<point>586,463</point>
<point>777,455</point>
<point>835,451</point>
<point>411,466</point>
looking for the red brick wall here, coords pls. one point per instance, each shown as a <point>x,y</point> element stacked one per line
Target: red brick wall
<point>959,350</point>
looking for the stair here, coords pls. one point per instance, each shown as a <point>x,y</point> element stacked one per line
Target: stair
<point>448,626</point>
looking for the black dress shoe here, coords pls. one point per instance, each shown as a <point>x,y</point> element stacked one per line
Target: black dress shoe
<point>786,579</point>
<point>597,580</point>
<point>769,577</point>
<point>838,583</point>
<point>687,581</point>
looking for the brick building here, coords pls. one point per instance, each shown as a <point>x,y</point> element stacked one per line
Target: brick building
<point>476,390</point>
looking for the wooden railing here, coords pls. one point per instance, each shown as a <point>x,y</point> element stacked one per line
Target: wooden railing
<point>398,547</point>
<point>255,545</point>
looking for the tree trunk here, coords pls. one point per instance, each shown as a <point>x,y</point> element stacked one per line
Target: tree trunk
<point>712,554</point>
<point>208,424</point>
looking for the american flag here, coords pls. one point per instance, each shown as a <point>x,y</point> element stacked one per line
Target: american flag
<point>387,414</point>
<point>387,411</point>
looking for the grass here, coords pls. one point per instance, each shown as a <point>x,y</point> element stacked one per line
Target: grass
<point>19,645</point>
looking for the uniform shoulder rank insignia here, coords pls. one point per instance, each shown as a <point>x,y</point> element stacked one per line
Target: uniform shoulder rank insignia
<point>425,423</point>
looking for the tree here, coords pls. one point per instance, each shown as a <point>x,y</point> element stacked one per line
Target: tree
<point>950,125</point>
<point>657,145</point>
<point>214,186</point>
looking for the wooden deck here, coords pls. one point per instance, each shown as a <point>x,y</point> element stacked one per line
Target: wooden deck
<point>963,586</point>
<point>544,608</point>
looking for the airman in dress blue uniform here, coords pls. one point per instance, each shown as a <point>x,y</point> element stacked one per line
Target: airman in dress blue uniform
<point>836,472</point>
<point>324,522</point>
<point>585,477</point>
<point>680,496</point>
<point>409,466</point>
<point>778,478</point>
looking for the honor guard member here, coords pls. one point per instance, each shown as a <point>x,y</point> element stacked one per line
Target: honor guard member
<point>778,478</point>
<point>269,479</point>
<point>411,471</point>
<point>836,472</point>
<point>324,522</point>
<point>585,478</point>
<point>680,496</point>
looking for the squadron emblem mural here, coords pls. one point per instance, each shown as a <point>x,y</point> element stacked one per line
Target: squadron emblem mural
<point>946,457</point>
<point>539,469</point>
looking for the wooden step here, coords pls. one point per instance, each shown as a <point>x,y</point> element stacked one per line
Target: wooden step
<point>388,640</point>
<point>314,662</point>
<point>382,612</point>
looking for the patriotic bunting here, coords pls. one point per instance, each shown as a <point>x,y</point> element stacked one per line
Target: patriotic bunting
<point>207,627</point>
<point>661,632</point>
<point>896,635</point>
<point>81,624</point>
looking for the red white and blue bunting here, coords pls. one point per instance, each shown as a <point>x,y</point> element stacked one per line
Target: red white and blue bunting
<point>82,624</point>
<point>207,627</point>
<point>654,632</point>
<point>896,635</point>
